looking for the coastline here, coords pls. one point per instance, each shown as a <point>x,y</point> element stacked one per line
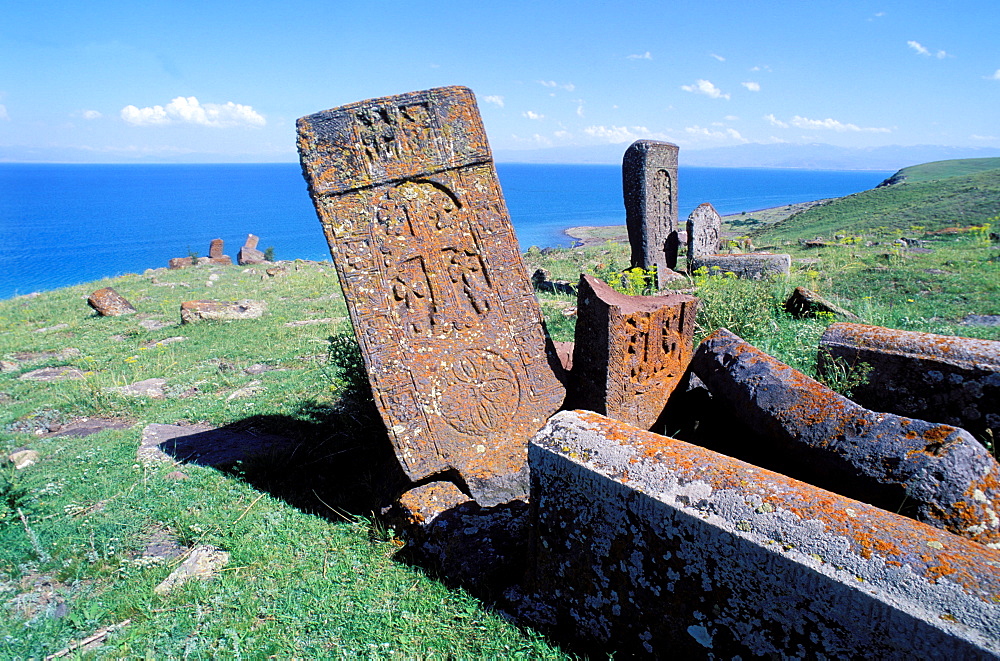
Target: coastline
<point>732,224</point>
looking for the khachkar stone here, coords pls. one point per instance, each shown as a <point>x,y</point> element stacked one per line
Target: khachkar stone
<point>630,351</point>
<point>704,227</point>
<point>649,183</point>
<point>449,328</point>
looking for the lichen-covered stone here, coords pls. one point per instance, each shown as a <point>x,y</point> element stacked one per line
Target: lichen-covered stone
<point>449,328</point>
<point>954,380</point>
<point>806,303</point>
<point>649,546</point>
<point>649,184</point>
<point>757,266</point>
<point>704,230</point>
<point>937,472</point>
<point>630,351</point>
<point>109,303</point>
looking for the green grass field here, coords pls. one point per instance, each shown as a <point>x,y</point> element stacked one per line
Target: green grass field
<point>312,573</point>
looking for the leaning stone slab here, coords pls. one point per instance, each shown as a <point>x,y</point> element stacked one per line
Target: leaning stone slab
<point>758,266</point>
<point>653,547</point>
<point>450,331</point>
<point>109,303</point>
<point>194,311</point>
<point>649,184</point>
<point>955,380</point>
<point>704,230</point>
<point>249,254</point>
<point>630,351</point>
<point>806,303</point>
<point>939,472</point>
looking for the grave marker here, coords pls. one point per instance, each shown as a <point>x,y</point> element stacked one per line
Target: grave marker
<point>649,184</point>
<point>450,331</point>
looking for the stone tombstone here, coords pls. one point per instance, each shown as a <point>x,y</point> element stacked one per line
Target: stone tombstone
<point>630,351</point>
<point>251,242</point>
<point>215,248</point>
<point>704,226</point>
<point>452,336</point>
<point>649,185</point>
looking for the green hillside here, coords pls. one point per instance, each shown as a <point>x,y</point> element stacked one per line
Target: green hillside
<point>944,169</point>
<point>918,203</point>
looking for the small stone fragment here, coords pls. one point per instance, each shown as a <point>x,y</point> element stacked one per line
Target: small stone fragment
<point>204,310</point>
<point>152,388</point>
<point>23,458</point>
<point>203,563</point>
<point>806,303</point>
<point>109,303</point>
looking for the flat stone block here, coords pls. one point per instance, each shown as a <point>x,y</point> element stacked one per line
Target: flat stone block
<point>954,380</point>
<point>938,472</point>
<point>194,311</point>
<point>649,546</point>
<point>757,266</point>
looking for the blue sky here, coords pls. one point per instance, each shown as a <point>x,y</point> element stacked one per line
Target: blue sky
<point>224,81</point>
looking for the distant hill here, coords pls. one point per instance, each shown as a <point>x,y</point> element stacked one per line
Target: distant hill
<point>931,196</point>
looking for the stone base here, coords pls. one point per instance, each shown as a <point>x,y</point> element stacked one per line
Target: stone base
<point>757,266</point>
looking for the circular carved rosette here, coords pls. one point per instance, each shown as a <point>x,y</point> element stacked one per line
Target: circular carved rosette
<point>480,393</point>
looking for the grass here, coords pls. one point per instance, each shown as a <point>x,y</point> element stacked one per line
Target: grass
<point>309,574</point>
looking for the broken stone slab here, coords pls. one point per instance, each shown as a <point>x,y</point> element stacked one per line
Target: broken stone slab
<point>630,351</point>
<point>23,458</point>
<point>954,380</point>
<point>938,472</point>
<point>204,562</point>
<point>758,266</point>
<point>451,334</point>
<point>541,282</point>
<point>203,445</point>
<point>649,185</point>
<point>255,387</point>
<point>704,231</point>
<point>806,303</point>
<point>109,303</point>
<point>481,548</point>
<point>165,341</point>
<point>194,311</point>
<point>53,374</point>
<point>152,388</point>
<point>652,547</point>
<point>249,254</point>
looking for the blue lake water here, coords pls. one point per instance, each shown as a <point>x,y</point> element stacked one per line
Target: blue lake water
<point>68,224</point>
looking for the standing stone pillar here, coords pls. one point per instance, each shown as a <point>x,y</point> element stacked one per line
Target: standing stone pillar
<point>704,227</point>
<point>649,184</point>
<point>449,328</point>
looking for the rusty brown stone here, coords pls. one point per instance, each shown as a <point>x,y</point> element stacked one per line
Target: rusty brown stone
<point>251,242</point>
<point>630,351</point>
<point>180,262</point>
<point>649,184</point>
<point>109,303</point>
<point>249,254</point>
<point>451,334</point>
<point>936,473</point>
<point>954,380</point>
<point>215,248</point>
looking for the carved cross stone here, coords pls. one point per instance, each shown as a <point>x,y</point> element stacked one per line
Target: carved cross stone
<point>704,228</point>
<point>630,351</point>
<point>451,334</point>
<point>649,184</point>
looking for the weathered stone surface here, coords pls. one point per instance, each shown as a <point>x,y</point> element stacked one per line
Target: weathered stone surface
<point>938,472</point>
<point>146,388</point>
<point>180,262</point>
<point>649,184</point>
<point>653,547</point>
<point>23,458</point>
<point>215,248</point>
<point>202,563</point>
<point>981,320</point>
<point>83,427</point>
<point>53,374</point>
<point>109,303</point>
<point>954,380</point>
<point>249,254</point>
<point>757,266</point>
<point>630,351</point>
<point>449,328</point>
<point>193,311</point>
<point>704,229</point>
<point>251,242</point>
<point>482,548</point>
<point>541,282</point>
<point>806,303</point>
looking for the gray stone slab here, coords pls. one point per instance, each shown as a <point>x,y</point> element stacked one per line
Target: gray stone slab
<point>648,546</point>
<point>704,232</point>
<point>649,185</point>
<point>757,266</point>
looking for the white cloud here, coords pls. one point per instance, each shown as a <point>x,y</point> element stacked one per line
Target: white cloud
<point>752,86</point>
<point>3,113</point>
<point>985,138</point>
<point>579,110</point>
<point>562,135</point>
<point>833,125</point>
<point>187,110</point>
<point>731,118</point>
<point>995,76</point>
<point>92,114</point>
<point>645,56</point>
<point>705,87</point>
<point>619,134</point>
<point>702,132</point>
<point>495,99</point>
<point>920,49</point>
<point>569,87</point>
<point>766,67</point>
<point>533,115</point>
<point>718,57</point>
<point>775,121</point>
